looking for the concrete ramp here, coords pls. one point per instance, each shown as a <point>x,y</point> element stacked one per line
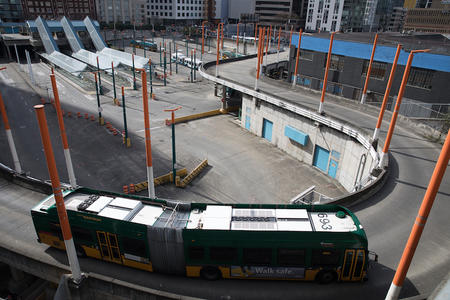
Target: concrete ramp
<point>80,53</point>
<point>53,55</point>
<point>115,55</point>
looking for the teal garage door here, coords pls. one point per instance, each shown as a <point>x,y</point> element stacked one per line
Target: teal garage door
<point>267,130</point>
<point>247,122</point>
<point>321,156</point>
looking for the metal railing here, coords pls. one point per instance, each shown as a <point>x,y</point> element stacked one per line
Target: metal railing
<point>414,109</point>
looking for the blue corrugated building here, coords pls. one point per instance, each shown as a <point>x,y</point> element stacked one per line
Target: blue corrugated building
<point>428,80</point>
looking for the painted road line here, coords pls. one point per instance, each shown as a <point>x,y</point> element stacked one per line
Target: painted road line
<point>5,79</point>
<point>151,128</point>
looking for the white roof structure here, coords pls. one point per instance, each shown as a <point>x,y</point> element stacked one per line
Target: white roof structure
<point>112,54</point>
<point>52,51</point>
<point>82,54</point>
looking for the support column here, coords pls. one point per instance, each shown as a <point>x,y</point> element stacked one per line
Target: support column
<point>12,146</point>
<point>62,130</point>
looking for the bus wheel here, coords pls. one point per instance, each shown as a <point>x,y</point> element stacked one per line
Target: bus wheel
<point>325,277</point>
<point>80,251</point>
<point>210,273</point>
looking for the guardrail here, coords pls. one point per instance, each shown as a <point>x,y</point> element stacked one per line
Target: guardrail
<point>374,180</point>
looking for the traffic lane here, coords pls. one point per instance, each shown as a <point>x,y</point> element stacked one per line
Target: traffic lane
<point>23,240</point>
<point>389,218</point>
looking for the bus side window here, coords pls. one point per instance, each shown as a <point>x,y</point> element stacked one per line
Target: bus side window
<point>257,256</point>
<point>81,234</point>
<point>291,257</point>
<point>325,257</point>
<point>223,254</point>
<point>196,253</point>
<point>133,246</point>
<point>55,229</point>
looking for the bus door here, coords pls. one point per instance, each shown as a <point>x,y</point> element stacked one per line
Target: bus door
<point>109,248</point>
<point>352,269</point>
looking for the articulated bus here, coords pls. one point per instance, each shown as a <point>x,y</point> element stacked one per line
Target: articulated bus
<point>248,241</point>
<point>144,44</point>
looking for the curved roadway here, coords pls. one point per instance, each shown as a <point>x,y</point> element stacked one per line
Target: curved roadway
<point>387,217</point>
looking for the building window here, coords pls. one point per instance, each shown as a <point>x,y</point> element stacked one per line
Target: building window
<point>420,78</point>
<point>337,63</point>
<point>306,55</point>
<point>378,69</point>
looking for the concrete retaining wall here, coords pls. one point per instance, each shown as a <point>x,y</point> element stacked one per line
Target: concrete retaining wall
<point>344,150</point>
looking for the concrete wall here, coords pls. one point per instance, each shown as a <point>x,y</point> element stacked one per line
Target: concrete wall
<point>347,151</point>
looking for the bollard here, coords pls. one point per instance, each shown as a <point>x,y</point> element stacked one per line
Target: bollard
<point>132,191</point>
<point>114,131</point>
<point>78,115</point>
<point>125,189</point>
<point>92,118</point>
<point>86,116</point>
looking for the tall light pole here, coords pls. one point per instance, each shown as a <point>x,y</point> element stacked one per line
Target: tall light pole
<point>324,85</point>
<point>397,106</point>
<point>174,159</point>
<point>56,186</point>
<point>100,118</point>
<point>12,146</point>
<point>386,96</point>
<point>148,143</point>
<point>126,139</point>
<point>237,39</point>
<point>294,82</point>
<point>369,69</point>
<point>62,130</point>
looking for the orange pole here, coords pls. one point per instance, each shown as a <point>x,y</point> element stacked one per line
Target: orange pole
<point>324,86</point>
<point>386,94</point>
<point>62,130</point>
<point>203,37</point>
<point>290,36</point>
<point>12,145</point>
<point>397,106</point>
<point>263,37</point>
<point>218,51</point>
<point>267,41</point>
<point>222,35</point>
<point>294,82</point>
<point>366,84</point>
<point>56,186</point>
<point>3,111</point>
<point>148,142</point>
<point>58,112</point>
<point>420,222</point>
<point>259,53</point>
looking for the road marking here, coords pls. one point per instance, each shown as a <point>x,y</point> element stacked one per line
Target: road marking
<point>89,97</point>
<point>6,80</point>
<point>151,128</point>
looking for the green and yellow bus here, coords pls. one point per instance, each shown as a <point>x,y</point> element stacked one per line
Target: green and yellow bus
<point>249,241</point>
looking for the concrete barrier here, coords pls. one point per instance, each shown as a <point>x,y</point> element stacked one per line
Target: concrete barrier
<point>183,183</point>
<point>160,180</point>
<point>202,115</point>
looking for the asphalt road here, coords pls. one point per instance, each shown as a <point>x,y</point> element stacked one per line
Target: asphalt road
<point>387,217</point>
